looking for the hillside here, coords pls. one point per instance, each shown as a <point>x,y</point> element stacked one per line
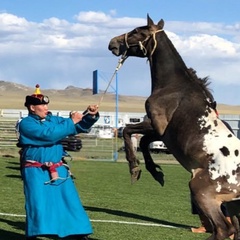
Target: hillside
<point>12,96</point>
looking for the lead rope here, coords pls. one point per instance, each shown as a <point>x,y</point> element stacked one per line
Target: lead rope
<point>120,63</point>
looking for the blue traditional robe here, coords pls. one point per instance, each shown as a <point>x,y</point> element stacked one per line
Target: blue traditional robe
<point>52,208</point>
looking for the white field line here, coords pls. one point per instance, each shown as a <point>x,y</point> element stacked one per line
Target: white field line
<point>11,215</point>
<point>135,223</point>
<point>105,221</point>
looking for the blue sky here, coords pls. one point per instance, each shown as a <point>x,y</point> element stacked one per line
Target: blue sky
<point>170,10</point>
<point>58,43</point>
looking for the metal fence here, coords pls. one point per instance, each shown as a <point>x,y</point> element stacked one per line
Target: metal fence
<point>92,147</point>
<point>8,136</point>
<point>233,121</point>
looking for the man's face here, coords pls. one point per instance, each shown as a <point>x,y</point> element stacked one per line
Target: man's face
<point>40,110</point>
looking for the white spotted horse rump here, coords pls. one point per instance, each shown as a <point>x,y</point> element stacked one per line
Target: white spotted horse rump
<point>223,147</point>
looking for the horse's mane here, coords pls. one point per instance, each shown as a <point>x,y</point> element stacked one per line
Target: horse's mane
<point>202,82</point>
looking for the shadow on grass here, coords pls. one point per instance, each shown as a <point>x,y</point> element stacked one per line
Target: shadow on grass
<point>13,176</point>
<point>136,216</point>
<point>14,163</point>
<point>14,168</point>
<point>7,235</point>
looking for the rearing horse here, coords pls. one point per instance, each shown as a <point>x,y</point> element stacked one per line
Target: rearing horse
<point>182,114</point>
<point>149,135</point>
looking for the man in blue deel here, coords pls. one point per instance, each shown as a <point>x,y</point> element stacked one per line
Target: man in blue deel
<point>52,203</point>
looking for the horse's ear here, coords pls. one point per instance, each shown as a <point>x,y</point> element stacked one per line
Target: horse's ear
<point>149,21</point>
<point>161,24</point>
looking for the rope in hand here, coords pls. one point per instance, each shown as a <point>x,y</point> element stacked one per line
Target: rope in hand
<point>120,63</point>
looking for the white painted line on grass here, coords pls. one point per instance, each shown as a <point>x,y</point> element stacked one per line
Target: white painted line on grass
<point>135,223</point>
<point>105,221</point>
<point>12,215</point>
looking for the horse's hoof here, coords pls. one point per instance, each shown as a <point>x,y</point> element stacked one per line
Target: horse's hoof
<point>159,177</point>
<point>135,174</point>
<point>157,174</point>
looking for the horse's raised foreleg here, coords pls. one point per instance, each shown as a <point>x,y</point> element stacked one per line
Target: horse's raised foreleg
<point>144,128</point>
<point>154,169</point>
<point>140,128</point>
<point>133,162</point>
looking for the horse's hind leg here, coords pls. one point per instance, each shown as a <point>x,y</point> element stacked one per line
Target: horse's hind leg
<point>222,228</point>
<point>205,196</point>
<point>233,208</point>
<point>154,169</point>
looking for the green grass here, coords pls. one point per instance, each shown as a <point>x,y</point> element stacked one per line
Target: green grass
<point>107,194</point>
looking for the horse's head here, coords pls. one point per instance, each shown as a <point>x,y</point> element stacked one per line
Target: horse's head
<point>139,42</point>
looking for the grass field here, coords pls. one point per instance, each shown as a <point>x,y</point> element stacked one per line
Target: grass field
<point>117,209</point>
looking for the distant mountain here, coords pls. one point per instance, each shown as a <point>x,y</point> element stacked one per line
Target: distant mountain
<point>10,86</point>
<point>13,87</point>
<point>12,96</point>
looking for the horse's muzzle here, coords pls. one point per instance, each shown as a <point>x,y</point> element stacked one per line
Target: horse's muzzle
<point>116,47</point>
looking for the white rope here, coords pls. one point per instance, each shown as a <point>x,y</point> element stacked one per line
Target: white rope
<point>120,63</point>
<point>155,41</point>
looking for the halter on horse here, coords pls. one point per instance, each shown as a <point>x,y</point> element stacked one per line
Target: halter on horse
<point>182,113</point>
